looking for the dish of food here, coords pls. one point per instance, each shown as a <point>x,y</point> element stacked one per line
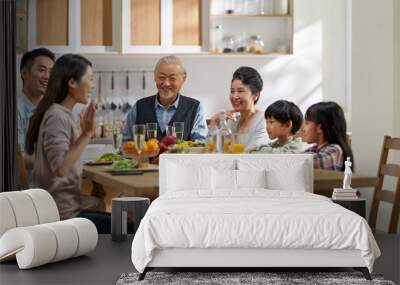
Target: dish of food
<point>105,159</point>
<point>130,166</point>
<point>189,149</point>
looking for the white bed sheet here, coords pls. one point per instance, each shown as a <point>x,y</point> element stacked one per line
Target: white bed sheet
<point>251,218</point>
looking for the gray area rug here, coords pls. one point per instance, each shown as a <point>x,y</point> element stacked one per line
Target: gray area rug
<point>228,278</point>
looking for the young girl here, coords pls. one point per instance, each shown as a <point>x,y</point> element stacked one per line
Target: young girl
<point>325,126</point>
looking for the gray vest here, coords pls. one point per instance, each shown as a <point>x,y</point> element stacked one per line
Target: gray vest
<point>186,112</point>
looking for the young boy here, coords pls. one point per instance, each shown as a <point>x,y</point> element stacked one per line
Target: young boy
<point>284,119</point>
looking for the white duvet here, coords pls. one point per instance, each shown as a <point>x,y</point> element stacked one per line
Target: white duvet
<point>250,219</point>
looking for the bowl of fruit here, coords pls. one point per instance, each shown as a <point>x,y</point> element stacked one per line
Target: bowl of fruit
<point>150,148</point>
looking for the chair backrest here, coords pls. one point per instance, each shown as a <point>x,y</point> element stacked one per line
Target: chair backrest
<point>392,197</point>
<point>22,174</point>
<point>291,172</point>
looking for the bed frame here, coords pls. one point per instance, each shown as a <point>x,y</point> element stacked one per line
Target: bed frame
<point>242,259</point>
<point>246,259</point>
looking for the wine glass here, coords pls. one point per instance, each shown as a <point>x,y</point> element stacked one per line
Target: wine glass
<point>116,137</point>
<point>151,130</point>
<point>179,128</point>
<point>139,137</point>
<point>170,131</point>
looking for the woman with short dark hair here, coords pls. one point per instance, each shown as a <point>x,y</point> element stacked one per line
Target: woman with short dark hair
<point>246,86</point>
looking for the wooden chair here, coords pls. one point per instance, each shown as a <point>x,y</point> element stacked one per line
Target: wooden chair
<point>386,195</point>
<point>22,173</point>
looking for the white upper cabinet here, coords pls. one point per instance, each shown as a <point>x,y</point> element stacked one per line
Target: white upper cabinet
<point>85,26</point>
<point>162,26</point>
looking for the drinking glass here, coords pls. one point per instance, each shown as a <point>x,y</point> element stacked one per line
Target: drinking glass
<point>151,130</point>
<point>170,131</point>
<point>212,143</point>
<point>226,143</point>
<point>139,136</point>
<point>116,138</point>
<point>238,143</point>
<point>179,128</point>
<point>212,138</point>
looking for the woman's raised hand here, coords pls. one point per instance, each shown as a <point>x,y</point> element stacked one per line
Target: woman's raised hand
<point>231,115</point>
<point>216,119</point>
<point>88,120</point>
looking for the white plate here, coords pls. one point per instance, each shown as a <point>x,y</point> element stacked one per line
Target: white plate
<point>94,162</point>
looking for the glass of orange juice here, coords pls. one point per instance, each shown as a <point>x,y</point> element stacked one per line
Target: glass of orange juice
<point>226,143</point>
<point>238,143</point>
<point>211,143</point>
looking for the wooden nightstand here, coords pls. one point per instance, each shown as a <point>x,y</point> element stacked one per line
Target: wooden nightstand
<point>355,205</point>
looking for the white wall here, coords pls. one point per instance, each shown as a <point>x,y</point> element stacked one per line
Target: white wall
<point>375,92</point>
<point>314,72</point>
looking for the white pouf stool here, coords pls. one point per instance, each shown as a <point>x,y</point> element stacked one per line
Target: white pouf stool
<point>31,231</point>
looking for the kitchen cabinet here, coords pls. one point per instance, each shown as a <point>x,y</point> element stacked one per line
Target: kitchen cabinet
<point>52,22</point>
<point>186,19</point>
<point>145,25</point>
<point>96,22</point>
<point>80,26</point>
<point>162,26</point>
<point>203,27</point>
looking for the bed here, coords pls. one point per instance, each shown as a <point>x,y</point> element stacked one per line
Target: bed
<point>246,211</point>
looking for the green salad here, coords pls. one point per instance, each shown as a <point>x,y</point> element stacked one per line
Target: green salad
<point>179,150</point>
<point>123,164</point>
<point>110,156</point>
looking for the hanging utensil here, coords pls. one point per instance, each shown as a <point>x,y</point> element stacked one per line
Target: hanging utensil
<point>144,84</point>
<point>113,106</point>
<point>126,106</point>
<point>98,99</point>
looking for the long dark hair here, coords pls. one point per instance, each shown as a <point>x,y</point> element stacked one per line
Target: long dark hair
<point>330,116</point>
<point>67,67</point>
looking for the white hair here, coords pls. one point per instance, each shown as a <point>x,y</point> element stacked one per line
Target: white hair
<point>170,59</point>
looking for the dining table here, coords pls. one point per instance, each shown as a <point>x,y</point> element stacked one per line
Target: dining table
<point>146,184</point>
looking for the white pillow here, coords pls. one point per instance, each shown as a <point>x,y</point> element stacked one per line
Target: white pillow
<point>290,174</point>
<point>251,178</point>
<point>223,179</point>
<point>228,179</point>
<point>296,179</point>
<point>182,177</point>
